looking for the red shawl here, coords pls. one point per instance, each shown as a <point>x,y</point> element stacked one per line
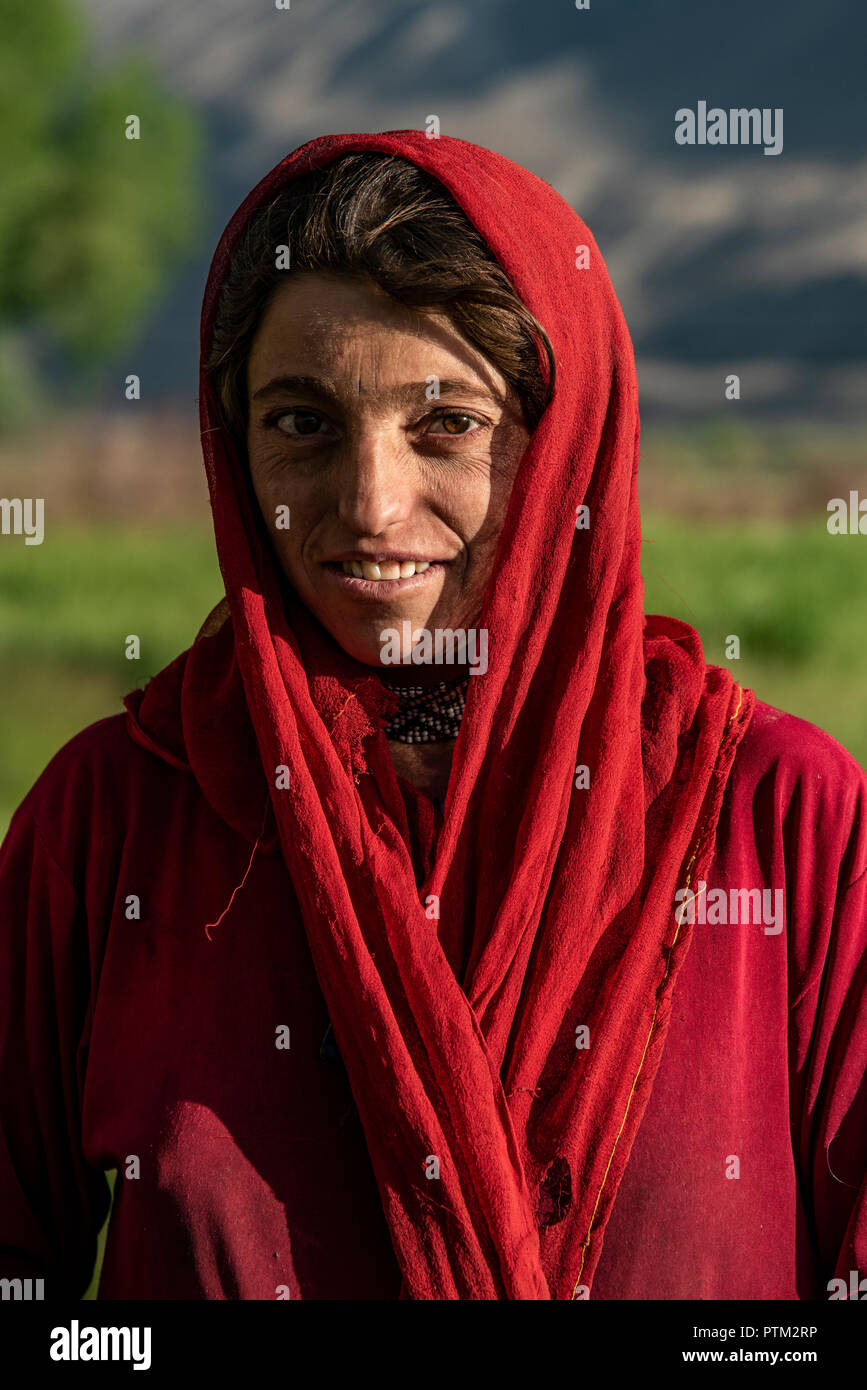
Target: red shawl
<point>460,1036</point>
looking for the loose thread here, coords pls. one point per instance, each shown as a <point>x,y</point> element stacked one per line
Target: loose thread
<point>237,890</point>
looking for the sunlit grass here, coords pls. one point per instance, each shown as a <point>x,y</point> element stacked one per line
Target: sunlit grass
<point>66,609</point>
<point>792,593</point>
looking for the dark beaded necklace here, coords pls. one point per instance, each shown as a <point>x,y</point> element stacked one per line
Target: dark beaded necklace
<point>428,713</point>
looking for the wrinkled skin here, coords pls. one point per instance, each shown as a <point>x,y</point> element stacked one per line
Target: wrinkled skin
<point>366,462</point>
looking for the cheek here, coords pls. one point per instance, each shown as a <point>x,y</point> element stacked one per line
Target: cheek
<point>508,446</point>
<point>274,490</point>
<point>279,510</point>
<point>464,484</point>
<point>478,498</point>
<point>266,458</point>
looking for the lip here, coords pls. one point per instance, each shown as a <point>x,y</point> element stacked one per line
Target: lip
<point>379,588</point>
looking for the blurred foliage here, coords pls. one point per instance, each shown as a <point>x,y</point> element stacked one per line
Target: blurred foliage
<point>63,625</point>
<point>794,596</point>
<point>90,221</point>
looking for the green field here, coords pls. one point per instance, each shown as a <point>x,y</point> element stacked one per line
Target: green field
<point>66,610</point>
<point>792,593</point>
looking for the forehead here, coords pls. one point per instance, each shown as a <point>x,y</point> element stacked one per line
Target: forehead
<point>317,320</point>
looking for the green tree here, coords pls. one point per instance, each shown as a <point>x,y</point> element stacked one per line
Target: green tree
<point>91,222</point>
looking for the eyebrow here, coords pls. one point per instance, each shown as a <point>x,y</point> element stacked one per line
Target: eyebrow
<point>396,395</point>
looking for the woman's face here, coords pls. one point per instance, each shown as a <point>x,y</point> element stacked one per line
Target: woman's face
<point>346,432</point>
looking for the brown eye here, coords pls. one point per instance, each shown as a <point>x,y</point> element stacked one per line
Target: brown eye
<point>455,420</point>
<point>305,422</point>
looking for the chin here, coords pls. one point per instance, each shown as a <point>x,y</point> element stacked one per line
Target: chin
<point>363,641</point>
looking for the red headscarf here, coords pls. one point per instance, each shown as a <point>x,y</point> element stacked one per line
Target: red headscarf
<point>557,902</point>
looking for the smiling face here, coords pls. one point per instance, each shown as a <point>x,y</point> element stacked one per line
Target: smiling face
<point>345,431</point>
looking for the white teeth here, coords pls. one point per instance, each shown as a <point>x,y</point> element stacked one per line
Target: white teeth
<point>389,569</point>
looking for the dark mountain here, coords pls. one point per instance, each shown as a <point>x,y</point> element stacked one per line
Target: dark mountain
<point>725,259</point>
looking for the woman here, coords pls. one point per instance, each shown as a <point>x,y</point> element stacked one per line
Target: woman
<point>379,968</point>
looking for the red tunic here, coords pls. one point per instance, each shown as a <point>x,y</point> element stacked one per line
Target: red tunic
<point>131,1038</point>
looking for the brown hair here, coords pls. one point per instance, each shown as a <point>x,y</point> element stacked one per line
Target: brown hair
<point>377,216</point>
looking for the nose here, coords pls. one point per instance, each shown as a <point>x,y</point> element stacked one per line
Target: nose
<point>374,482</point>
